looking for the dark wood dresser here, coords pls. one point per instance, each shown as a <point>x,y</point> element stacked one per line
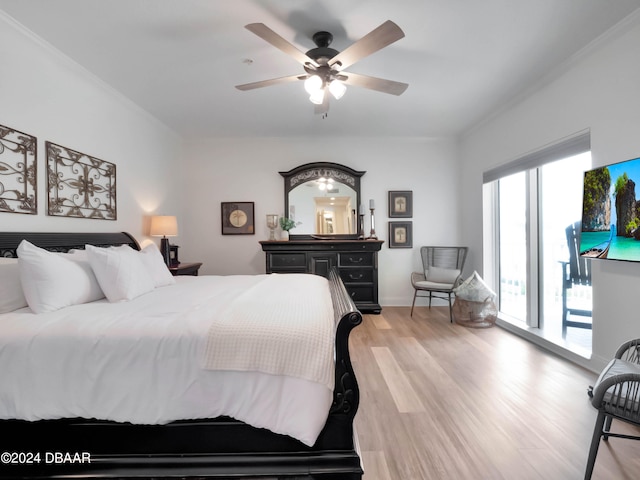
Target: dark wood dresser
<point>357,262</point>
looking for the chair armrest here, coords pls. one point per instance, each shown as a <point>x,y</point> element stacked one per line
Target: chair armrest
<point>566,274</point>
<point>617,390</point>
<point>417,277</point>
<point>629,351</point>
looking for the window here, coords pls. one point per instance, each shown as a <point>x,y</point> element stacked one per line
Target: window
<point>529,203</point>
<point>513,245</point>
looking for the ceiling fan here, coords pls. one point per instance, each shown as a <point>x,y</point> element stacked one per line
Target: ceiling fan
<point>324,66</point>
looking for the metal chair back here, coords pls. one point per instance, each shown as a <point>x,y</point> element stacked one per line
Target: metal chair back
<point>443,257</point>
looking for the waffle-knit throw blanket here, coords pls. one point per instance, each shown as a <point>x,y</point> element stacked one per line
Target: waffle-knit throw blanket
<point>283,325</point>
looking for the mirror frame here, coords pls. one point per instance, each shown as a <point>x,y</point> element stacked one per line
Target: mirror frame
<point>313,171</point>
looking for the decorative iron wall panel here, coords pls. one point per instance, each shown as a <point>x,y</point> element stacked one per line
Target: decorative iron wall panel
<point>18,191</point>
<point>80,185</point>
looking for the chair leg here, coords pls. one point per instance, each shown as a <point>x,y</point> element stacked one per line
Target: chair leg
<point>607,428</point>
<point>450,312</point>
<point>415,294</point>
<point>429,299</point>
<point>564,311</point>
<point>595,443</point>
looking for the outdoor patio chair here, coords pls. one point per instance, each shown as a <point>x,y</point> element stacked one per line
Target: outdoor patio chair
<point>576,271</point>
<point>616,394</point>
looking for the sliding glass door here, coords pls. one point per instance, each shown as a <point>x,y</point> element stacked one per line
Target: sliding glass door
<point>532,210</point>
<point>561,208</point>
<point>513,246</point>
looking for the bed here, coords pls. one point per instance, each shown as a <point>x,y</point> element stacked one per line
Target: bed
<point>170,430</point>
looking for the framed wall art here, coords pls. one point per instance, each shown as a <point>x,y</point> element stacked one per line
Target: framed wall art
<point>80,185</point>
<point>18,179</point>
<point>238,218</point>
<point>400,235</point>
<point>401,204</point>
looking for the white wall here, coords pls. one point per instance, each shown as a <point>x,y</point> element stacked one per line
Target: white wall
<point>600,91</point>
<point>237,169</point>
<point>45,94</point>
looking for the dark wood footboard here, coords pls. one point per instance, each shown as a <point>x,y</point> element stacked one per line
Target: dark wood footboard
<point>214,448</point>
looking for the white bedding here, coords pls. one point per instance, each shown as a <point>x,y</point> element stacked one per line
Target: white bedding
<point>141,362</point>
<point>284,334</point>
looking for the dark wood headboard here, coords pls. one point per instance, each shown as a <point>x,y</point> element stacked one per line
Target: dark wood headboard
<point>63,242</point>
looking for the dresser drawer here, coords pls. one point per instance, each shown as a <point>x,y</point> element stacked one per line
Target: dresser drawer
<point>360,275</point>
<point>361,293</point>
<point>280,260</point>
<point>356,259</point>
<point>356,262</point>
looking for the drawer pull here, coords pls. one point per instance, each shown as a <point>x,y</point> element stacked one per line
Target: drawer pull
<point>356,277</point>
<point>359,260</point>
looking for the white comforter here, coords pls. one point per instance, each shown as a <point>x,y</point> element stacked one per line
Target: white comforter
<point>142,362</point>
<point>279,326</point>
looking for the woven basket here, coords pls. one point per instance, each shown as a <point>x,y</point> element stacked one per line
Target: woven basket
<point>475,314</point>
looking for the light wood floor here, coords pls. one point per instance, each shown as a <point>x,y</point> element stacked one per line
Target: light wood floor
<point>442,401</point>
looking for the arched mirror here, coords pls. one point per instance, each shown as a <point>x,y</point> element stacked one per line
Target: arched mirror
<point>323,198</point>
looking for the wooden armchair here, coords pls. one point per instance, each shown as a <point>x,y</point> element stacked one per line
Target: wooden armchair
<point>616,394</point>
<point>576,271</point>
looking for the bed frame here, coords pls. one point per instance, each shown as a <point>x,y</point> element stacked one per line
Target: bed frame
<point>213,448</point>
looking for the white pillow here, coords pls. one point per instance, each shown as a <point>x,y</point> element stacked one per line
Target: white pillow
<point>11,295</point>
<point>475,289</point>
<point>156,268</point>
<point>442,275</point>
<point>120,272</point>
<point>51,281</point>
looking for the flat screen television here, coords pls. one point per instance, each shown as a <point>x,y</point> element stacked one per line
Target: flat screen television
<point>611,212</point>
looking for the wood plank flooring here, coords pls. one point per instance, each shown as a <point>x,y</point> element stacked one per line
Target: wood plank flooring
<point>442,401</point>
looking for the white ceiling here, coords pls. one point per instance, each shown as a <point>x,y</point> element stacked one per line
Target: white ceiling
<point>180,59</point>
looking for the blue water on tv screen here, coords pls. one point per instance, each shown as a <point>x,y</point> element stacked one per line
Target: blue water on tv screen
<point>611,212</point>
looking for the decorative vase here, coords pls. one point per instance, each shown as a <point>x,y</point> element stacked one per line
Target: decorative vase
<point>284,235</point>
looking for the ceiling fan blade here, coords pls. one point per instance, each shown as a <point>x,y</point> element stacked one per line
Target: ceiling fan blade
<point>272,81</point>
<point>377,39</point>
<point>268,35</point>
<point>373,83</point>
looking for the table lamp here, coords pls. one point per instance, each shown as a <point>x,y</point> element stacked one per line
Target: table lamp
<point>164,226</point>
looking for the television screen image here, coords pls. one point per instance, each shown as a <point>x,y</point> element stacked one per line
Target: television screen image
<point>611,212</point>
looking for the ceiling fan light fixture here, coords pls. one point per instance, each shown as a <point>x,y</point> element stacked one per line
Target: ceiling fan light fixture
<point>317,97</point>
<point>337,89</point>
<point>313,84</point>
<point>323,65</point>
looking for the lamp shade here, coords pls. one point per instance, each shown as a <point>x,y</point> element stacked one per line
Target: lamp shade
<point>164,225</point>
<point>313,84</point>
<point>337,89</point>
<point>317,97</point>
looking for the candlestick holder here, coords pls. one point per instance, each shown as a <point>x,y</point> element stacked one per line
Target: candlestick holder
<point>372,233</point>
<point>272,224</point>
<point>361,226</point>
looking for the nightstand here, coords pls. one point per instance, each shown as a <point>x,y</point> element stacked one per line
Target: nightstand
<point>185,269</point>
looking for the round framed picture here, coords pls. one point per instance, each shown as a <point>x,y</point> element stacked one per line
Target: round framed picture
<point>238,218</point>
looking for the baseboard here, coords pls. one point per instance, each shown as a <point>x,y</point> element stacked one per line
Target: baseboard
<point>592,363</point>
